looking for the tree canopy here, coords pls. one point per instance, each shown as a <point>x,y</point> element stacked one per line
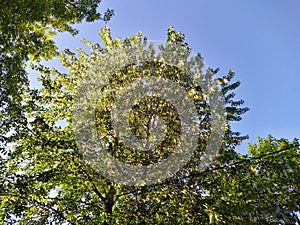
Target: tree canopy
<point>46,180</point>
<point>27,29</point>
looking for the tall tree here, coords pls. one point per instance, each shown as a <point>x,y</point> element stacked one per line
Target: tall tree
<point>46,179</point>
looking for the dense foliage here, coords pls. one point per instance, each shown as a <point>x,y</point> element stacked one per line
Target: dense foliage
<point>27,28</point>
<point>45,179</point>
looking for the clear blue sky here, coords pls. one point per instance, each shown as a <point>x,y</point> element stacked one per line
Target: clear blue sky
<point>258,39</point>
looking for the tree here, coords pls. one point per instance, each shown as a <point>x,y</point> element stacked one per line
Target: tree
<point>27,29</point>
<point>46,180</point>
<point>259,188</point>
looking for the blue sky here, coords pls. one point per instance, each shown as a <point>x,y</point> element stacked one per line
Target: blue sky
<point>259,40</point>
